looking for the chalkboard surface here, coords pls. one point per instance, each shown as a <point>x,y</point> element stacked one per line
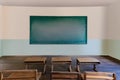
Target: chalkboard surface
<point>58,29</point>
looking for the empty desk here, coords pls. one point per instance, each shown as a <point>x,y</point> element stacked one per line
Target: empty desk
<point>35,60</point>
<point>90,60</point>
<point>20,75</point>
<point>61,60</point>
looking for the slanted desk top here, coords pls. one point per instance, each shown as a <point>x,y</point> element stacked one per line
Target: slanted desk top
<point>61,59</point>
<point>35,59</point>
<point>88,60</point>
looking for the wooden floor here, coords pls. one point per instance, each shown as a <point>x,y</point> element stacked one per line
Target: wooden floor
<point>107,65</point>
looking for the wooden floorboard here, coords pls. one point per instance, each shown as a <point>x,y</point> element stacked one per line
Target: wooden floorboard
<point>16,62</point>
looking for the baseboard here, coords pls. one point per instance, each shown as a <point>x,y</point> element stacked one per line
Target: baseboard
<point>55,55</point>
<point>112,59</point>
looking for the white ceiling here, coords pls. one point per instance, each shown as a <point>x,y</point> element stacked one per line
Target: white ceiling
<point>64,3</point>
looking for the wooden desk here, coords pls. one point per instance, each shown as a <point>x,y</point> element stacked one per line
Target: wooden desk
<point>61,60</point>
<point>35,60</point>
<point>60,75</point>
<point>21,75</point>
<point>90,60</point>
<point>98,76</point>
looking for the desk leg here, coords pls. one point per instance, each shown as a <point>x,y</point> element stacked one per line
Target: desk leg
<point>52,67</point>
<point>26,66</point>
<point>78,68</point>
<point>94,67</point>
<point>44,68</point>
<point>70,68</point>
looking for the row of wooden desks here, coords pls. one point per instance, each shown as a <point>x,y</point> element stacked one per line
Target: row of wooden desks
<point>61,60</point>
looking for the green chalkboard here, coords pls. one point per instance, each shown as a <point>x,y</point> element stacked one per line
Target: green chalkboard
<point>58,29</point>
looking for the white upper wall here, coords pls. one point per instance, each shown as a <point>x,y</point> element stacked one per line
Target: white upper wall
<point>1,22</point>
<point>113,21</point>
<point>17,24</point>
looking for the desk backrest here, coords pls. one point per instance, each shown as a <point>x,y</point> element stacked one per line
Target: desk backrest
<point>99,76</point>
<point>64,75</point>
<point>19,75</point>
